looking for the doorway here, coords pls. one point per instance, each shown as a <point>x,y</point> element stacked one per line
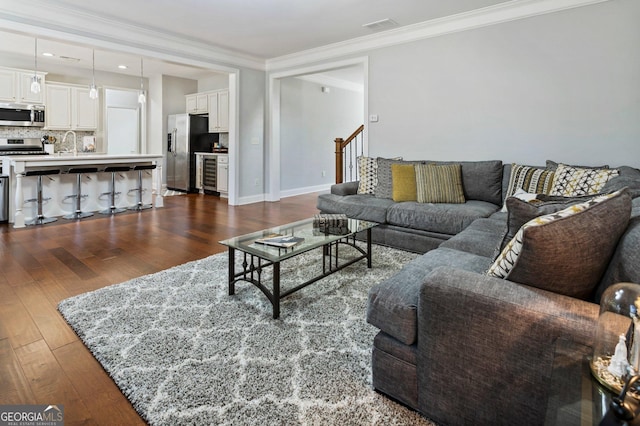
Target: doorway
<point>278,156</point>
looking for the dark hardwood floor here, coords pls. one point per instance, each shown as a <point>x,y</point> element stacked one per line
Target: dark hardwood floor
<point>42,361</point>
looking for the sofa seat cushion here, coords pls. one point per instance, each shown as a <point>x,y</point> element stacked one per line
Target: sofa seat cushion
<point>481,237</point>
<point>393,303</point>
<point>358,206</point>
<point>441,217</point>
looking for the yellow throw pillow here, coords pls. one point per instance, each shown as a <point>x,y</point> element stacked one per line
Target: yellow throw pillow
<point>403,181</point>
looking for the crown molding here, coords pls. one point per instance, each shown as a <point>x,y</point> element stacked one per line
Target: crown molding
<point>492,15</point>
<point>78,26</point>
<point>34,17</point>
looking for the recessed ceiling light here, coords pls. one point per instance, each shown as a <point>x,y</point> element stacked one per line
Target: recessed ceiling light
<point>123,67</point>
<point>47,54</point>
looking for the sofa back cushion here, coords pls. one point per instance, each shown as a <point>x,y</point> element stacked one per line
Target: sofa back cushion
<point>625,262</point>
<point>482,180</point>
<point>628,177</point>
<point>566,252</point>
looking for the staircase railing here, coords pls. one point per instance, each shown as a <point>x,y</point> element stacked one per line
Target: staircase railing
<point>347,153</point>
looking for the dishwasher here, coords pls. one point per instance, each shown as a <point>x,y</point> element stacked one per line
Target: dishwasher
<point>4,199</point>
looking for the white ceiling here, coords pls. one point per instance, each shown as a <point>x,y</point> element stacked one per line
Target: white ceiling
<point>261,29</point>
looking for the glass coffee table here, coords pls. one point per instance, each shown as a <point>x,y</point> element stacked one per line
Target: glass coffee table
<point>259,256</point>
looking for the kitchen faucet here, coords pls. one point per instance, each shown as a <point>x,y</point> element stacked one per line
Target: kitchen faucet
<point>75,141</point>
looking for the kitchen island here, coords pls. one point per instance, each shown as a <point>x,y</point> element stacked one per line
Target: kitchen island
<point>58,188</point>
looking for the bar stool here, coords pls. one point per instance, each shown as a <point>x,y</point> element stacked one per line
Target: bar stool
<point>79,171</point>
<point>40,219</point>
<point>140,168</point>
<point>113,170</point>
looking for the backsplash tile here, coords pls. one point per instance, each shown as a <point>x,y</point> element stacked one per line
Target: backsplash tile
<point>30,132</point>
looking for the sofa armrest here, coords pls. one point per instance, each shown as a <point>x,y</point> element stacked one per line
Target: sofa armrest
<point>346,188</point>
<point>486,346</point>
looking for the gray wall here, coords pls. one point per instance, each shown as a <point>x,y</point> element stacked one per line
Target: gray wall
<point>251,92</point>
<point>310,120</point>
<point>562,86</point>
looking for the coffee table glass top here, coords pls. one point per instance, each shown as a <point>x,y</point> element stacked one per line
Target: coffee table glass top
<point>313,238</point>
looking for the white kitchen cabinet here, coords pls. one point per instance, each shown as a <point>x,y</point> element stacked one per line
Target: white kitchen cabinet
<point>26,95</point>
<point>197,103</point>
<point>84,110</point>
<point>58,114</point>
<point>15,86</point>
<point>223,173</point>
<point>219,111</point>
<point>70,108</point>
<point>8,87</point>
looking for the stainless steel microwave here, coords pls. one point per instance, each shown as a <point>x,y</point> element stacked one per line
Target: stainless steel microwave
<point>23,115</point>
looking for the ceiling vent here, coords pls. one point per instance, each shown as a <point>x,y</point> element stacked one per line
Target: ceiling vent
<point>381,25</point>
<point>69,58</point>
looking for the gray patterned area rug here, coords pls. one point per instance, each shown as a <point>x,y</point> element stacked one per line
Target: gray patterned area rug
<point>185,352</point>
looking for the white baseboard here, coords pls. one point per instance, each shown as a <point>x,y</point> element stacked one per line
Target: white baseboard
<point>305,190</point>
<point>285,194</point>
<point>251,199</point>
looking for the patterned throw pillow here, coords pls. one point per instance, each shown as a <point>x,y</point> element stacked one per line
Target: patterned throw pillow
<point>575,181</point>
<point>368,171</point>
<point>403,177</point>
<point>531,179</point>
<point>439,183</point>
<point>385,185</point>
<point>566,252</point>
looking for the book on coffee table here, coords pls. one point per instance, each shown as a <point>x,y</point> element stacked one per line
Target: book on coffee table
<point>285,241</point>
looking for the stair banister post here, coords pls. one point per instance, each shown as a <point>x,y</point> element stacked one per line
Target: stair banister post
<point>339,156</point>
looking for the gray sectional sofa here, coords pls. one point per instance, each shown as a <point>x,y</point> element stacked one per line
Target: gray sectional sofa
<point>463,347</point>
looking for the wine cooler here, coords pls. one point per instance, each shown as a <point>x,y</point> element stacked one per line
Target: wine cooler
<point>209,173</point>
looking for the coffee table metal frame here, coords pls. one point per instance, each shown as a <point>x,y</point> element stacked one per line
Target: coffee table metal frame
<point>259,256</point>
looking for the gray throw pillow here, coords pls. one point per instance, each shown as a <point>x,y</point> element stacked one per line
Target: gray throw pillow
<point>566,252</point>
<point>520,212</point>
<point>384,189</point>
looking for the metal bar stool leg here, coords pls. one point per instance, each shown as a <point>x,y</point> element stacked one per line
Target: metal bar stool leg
<point>139,204</point>
<point>79,214</point>
<point>40,219</point>
<point>112,193</point>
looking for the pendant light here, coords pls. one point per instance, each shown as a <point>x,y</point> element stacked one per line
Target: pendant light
<point>93,90</point>
<point>35,81</point>
<point>141,97</point>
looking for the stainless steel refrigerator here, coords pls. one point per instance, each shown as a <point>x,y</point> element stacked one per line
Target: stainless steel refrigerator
<point>187,134</point>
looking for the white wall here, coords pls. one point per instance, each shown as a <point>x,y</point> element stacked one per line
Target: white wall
<point>562,86</point>
<point>251,135</point>
<point>213,82</point>
<point>310,120</point>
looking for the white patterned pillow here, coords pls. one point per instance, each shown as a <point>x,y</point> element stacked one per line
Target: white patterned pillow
<point>368,172</point>
<point>568,251</point>
<point>577,181</point>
